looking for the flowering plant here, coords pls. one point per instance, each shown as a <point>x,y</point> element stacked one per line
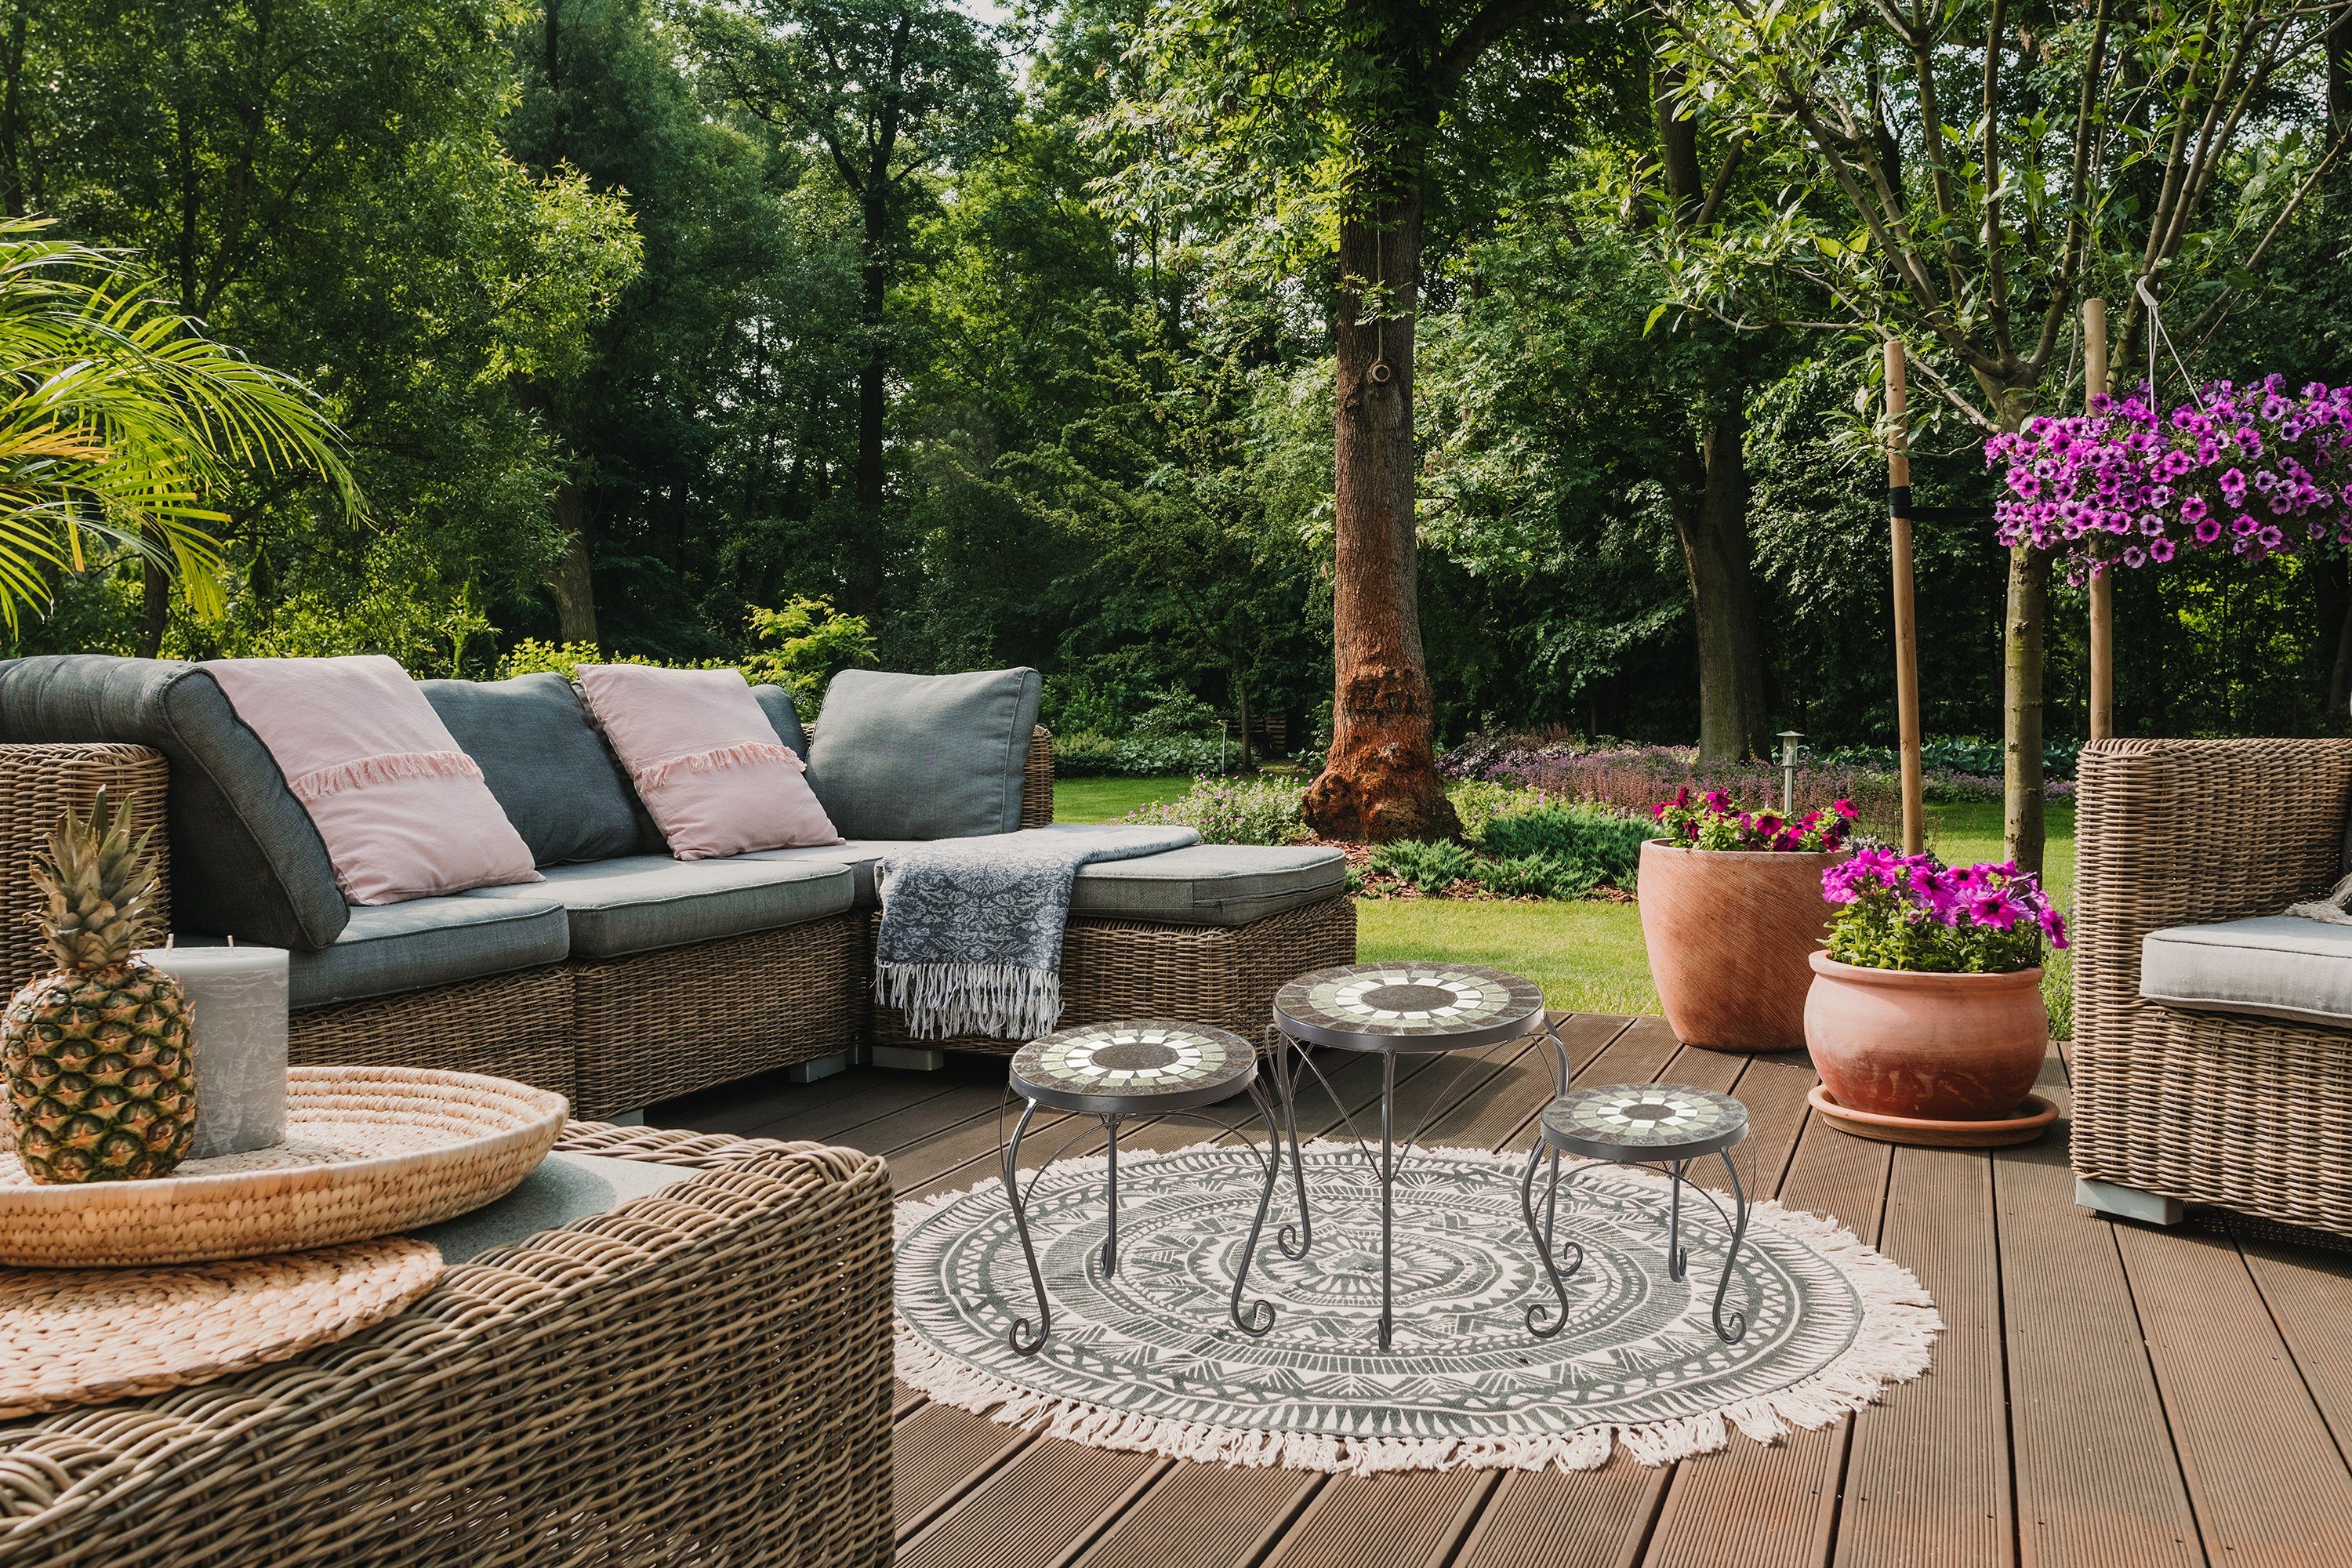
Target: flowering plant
<point>1912,912</point>
<point>1712,822</point>
<point>2254,468</point>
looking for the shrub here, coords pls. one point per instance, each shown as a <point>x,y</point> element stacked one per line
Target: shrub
<point>1429,866</point>
<point>1090,754</point>
<point>1234,811</point>
<point>1538,877</point>
<point>1603,841</point>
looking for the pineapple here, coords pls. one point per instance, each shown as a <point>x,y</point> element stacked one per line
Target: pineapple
<point>100,1068</point>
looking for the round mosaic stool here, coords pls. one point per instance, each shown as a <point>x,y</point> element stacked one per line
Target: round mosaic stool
<point>1390,1009</point>
<point>1114,1072</point>
<point>1657,1124</point>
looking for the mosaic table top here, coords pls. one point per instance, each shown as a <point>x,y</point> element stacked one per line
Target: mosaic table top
<point>1405,1006</point>
<point>1645,1121</point>
<point>1146,1065</point>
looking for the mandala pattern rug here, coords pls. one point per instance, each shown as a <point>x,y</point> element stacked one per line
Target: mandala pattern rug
<point>1149,1360</point>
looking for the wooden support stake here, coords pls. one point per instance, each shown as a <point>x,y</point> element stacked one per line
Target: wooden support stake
<point>1907,624</point>
<point>2103,583</point>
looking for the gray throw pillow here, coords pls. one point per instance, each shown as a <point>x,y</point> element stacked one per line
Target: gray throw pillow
<point>782,717</point>
<point>923,756</point>
<point>246,859</point>
<point>550,769</point>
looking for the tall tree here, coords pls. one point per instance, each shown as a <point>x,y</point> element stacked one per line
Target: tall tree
<point>1336,117</point>
<point>894,92</point>
<point>1967,172</point>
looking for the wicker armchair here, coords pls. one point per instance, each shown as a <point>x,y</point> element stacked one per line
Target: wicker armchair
<point>2174,1105</point>
<point>701,1375</point>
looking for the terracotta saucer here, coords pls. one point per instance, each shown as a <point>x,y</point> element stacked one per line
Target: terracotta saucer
<point>2032,1117</point>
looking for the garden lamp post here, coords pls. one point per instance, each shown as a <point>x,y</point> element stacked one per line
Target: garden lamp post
<point>1789,739</point>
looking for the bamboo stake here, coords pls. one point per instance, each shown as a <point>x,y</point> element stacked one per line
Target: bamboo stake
<point>2103,583</point>
<point>1907,626</point>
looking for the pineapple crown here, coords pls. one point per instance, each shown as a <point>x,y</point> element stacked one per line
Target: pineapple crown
<point>101,888</point>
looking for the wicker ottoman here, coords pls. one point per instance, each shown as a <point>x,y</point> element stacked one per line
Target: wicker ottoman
<point>700,1375</point>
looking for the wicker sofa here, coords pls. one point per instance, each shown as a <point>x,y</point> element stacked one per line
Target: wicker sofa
<point>2211,1061</point>
<point>700,1375</point>
<point>1205,934</point>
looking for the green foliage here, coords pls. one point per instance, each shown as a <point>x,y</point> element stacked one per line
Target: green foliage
<point>1429,867</point>
<point>1592,841</point>
<point>1879,933</point>
<point>808,642</point>
<point>1234,811</point>
<point>1085,754</point>
<point>1538,877</point>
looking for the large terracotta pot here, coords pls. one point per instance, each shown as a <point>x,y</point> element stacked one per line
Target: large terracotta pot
<point>1727,931</point>
<point>1952,1047</point>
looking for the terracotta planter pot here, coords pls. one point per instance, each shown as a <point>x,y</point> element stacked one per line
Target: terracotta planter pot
<point>1952,1047</point>
<point>1729,931</point>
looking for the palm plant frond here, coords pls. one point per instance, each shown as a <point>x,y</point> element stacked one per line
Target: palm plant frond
<point>120,418</point>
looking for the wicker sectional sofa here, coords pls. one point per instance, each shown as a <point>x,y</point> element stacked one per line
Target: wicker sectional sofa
<point>618,981</point>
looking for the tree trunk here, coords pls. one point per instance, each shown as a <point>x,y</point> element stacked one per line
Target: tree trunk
<point>1712,527</point>
<point>1238,679</point>
<point>2022,781</point>
<point>12,114</point>
<point>871,554</point>
<point>155,605</point>
<point>570,581</point>
<point>1380,781</point>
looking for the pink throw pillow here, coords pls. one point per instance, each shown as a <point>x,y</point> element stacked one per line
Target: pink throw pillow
<point>404,812</point>
<point>704,760</point>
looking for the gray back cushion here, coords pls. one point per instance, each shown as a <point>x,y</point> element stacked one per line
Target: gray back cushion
<point>782,717</point>
<point>923,756</point>
<point>246,860</point>
<point>550,769</point>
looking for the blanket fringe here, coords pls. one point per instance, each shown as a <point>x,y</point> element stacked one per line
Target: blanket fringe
<point>383,768</point>
<point>653,775</point>
<point>1891,1344</point>
<point>940,1001</point>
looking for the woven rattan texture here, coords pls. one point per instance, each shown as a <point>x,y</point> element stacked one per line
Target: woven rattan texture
<point>702,1376</point>
<point>38,786</point>
<point>1037,780</point>
<point>516,1026</point>
<point>654,1024</point>
<point>2250,1113</point>
<point>92,1336</point>
<point>368,1151</point>
<point>1223,976</point>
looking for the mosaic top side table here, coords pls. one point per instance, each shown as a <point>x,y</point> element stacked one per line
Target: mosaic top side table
<point>1660,1124</point>
<point>1390,1010</point>
<point>1113,1072</point>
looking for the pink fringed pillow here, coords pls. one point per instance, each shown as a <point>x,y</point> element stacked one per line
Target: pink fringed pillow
<point>704,760</point>
<point>404,812</point>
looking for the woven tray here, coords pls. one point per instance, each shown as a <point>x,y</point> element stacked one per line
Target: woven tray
<point>369,1151</point>
<point>90,1336</point>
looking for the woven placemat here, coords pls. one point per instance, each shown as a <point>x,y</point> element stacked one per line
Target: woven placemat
<point>88,1336</point>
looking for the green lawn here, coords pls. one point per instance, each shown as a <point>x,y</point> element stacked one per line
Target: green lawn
<point>1107,800</point>
<point>1587,956</point>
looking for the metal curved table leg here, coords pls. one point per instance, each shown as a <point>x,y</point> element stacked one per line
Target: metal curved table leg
<point>1677,1255</point>
<point>1388,1189</point>
<point>1541,1235</point>
<point>1259,1318</point>
<point>1020,1337</point>
<point>1738,1329</point>
<point>1110,1201</point>
<point>1293,1240</point>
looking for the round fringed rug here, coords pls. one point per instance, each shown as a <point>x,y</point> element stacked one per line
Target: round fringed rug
<point>1149,1360</point>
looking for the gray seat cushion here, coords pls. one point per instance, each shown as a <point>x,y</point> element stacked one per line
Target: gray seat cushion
<point>246,859</point>
<point>1208,884</point>
<point>552,773</point>
<point>923,756</point>
<point>2282,966</point>
<point>860,855</point>
<point>390,947</point>
<point>641,903</point>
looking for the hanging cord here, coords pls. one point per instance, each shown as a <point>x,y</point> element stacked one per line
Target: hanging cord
<point>2157,334</point>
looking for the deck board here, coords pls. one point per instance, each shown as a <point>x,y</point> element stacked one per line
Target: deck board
<point>2105,1396</point>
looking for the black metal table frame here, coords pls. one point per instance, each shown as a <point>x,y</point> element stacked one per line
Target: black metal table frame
<point>1470,1049</point>
<point>1106,1112</point>
<point>1677,1255</point>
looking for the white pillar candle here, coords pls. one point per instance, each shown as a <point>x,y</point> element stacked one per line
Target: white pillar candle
<point>236,1013</point>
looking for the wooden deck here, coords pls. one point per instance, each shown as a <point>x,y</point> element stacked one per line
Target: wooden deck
<point>2102,1394</point>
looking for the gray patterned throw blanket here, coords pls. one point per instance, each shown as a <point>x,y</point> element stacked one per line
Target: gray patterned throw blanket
<point>971,928</point>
